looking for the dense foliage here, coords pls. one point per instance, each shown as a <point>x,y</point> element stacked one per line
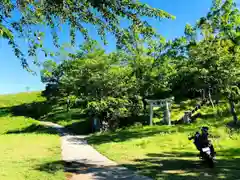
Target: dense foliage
<point>203,63</point>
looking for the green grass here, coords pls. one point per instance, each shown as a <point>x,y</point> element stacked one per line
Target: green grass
<point>31,151</point>
<point>75,120</point>
<point>20,98</point>
<point>28,150</point>
<point>33,105</point>
<point>164,152</point>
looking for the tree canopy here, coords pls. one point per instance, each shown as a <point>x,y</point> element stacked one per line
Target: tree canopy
<point>204,63</point>
<point>23,18</point>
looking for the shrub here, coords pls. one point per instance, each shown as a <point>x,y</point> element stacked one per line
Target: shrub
<point>109,110</point>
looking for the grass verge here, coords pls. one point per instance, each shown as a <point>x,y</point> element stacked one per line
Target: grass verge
<point>26,147</point>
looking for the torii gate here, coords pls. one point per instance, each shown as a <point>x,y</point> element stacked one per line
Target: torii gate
<point>161,103</point>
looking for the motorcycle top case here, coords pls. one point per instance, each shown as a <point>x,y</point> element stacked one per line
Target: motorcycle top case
<point>206,149</point>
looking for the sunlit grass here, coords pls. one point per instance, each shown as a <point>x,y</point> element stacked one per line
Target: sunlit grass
<point>23,155</point>
<point>20,98</point>
<point>26,150</point>
<point>164,152</point>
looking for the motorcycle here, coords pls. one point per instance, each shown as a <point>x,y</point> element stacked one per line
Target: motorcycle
<point>205,151</point>
<point>206,155</point>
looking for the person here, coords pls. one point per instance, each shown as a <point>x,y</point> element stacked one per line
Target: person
<point>204,141</point>
<point>201,140</point>
<point>196,141</point>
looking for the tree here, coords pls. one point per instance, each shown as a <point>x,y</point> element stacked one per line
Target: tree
<point>212,64</point>
<point>205,60</point>
<point>105,15</point>
<point>150,65</point>
<point>223,23</point>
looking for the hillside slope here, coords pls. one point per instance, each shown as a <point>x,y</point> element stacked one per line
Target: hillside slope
<point>28,150</point>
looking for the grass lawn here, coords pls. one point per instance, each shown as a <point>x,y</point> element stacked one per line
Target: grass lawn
<point>164,152</point>
<point>31,151</point>
<point>28,150</point>
<point>75,120</point>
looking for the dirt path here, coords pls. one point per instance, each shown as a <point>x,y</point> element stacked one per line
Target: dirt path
<point>83,162</point>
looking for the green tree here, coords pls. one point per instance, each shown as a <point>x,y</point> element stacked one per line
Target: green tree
<point>151,65</point>
<point>23,19</point>
<point>223,23</point>
<point>212,64</point>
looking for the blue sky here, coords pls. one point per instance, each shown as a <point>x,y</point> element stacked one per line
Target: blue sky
<point>14,79</point>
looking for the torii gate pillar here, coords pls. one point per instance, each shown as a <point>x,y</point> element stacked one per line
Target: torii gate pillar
<point>161,103</point>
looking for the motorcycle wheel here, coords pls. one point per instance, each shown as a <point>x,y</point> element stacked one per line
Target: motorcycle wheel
<point>210,161</point>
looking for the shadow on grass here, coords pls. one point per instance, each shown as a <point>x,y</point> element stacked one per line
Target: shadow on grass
<point>176,165</point>
<point>186,169</point>
<point>186,105</point>
<point>215,115</point>
<point>233,127</point>
<point>120,136</point>
<point>134,133</point>
<point>171,154</point>
<point>61,114</point>
<point>131,120</point>
<point>35,128</point>
<point>4,112</point>
<point>81,127</point>
<point>75,120</point>
<point>33,110</point>
<point>82,168</point>
<point>185,165</point>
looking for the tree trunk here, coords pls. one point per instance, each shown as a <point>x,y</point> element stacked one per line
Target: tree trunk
<point>210,98</point>
<point>233,111</point>
<point>204,97</point>
<point>217,101</point>
<point>203,94</point>
<point>68,105</point>
<point>144,106</point>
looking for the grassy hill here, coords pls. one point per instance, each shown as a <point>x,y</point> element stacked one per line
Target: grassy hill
<point>28,149</point>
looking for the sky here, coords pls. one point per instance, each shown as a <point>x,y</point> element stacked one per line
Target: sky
<point>14,79</point>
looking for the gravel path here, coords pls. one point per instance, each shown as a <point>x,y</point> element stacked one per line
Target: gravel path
<point>83,162</point>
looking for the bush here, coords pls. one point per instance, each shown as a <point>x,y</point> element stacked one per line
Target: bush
<point>116,111</point>
<point>136,106</point>
<point>109,110</point>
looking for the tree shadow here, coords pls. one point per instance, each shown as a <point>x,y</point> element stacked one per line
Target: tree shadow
<point>185,105</point>
<point>134,133</point>
<point>131,120</point>
<point>43,111</point>
<point>185,165</point>
<point>33,110</point>
<point>81,127</point>
<point>57,115</point>
<point>233,127</point>
<point>81,170</point>
<point>4,112</point>
<point>169,165</point>
<point>77,140</point>
<point>215,115</point>
<point>75,121</point>
<point>171,154</point>
<point>35,128</point>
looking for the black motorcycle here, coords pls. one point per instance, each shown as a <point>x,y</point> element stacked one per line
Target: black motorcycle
<point>206,155</point>
<point>205,151</point>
